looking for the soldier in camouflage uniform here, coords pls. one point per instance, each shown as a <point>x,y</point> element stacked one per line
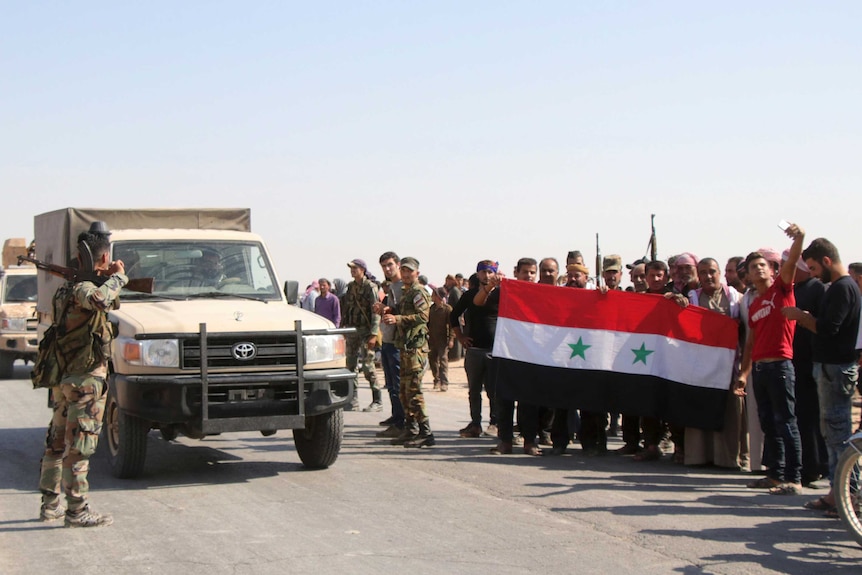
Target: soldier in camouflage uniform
<point>357,310</point>
<point>411,338</point>
<point>83,340</point>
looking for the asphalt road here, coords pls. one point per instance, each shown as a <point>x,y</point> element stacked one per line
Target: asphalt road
<point>242,503</point>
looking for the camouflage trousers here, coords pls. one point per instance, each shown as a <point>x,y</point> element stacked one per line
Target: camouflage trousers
<point>79,406</point>
<point>413,365</point>
<point>357,350</point>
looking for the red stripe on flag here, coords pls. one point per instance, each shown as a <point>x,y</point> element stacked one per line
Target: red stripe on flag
<point>615,311</point>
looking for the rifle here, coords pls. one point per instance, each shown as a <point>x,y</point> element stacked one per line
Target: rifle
<point>598,263</point>
<point>653,248</point>
<point>142,285</point>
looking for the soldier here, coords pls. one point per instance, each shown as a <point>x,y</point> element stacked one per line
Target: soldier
<point>83,340</point>
<point>357,310</point>
<point>411,338</point>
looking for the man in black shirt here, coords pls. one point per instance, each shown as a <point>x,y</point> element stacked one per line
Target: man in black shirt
<point>836,329</point>
<point>808,292</point>
<point>481,323</point>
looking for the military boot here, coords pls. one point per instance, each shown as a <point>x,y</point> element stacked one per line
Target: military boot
<point>424,439</point>
<point>86,517</point>
<point>411,431</point>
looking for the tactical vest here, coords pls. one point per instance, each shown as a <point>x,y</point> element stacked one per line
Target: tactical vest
<point>356,308</point>
<point>415,301</point>
<point>85,346</point>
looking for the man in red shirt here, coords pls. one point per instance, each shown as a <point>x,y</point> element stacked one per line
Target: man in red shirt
<point>769,353</point>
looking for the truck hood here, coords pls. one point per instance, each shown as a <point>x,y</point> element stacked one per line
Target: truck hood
<point>220,316</point>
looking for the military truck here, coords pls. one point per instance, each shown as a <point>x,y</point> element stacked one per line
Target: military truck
<point>18,339</point>
<point>216,347</point>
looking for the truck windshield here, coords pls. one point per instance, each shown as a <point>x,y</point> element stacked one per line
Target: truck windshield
<point>188,268</point>
<point>20,288</point>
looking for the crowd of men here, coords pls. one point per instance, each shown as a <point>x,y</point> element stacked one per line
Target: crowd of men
<point>788,402</point>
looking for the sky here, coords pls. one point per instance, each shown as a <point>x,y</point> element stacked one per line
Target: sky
<point>447,131</point>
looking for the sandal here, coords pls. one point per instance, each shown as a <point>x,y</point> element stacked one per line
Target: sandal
<point>819,504</point>
<point>502,448</point>
<point>832,513</point>
<point>532,449</point>
<point>786,489</point>
<point>764,483</point>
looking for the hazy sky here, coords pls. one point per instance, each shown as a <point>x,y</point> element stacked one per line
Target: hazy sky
<point>449,131</point>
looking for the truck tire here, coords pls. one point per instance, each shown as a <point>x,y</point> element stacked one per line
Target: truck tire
<point>7,362</point>
<point>319,443</point>
<point>126,436</point>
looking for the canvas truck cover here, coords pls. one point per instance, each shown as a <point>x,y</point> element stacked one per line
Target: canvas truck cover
<point>57,232</point>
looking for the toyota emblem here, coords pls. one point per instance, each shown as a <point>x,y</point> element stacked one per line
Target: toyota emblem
<point>244,351</point>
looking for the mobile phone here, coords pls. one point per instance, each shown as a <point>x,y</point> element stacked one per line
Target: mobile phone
<point>783,224</point>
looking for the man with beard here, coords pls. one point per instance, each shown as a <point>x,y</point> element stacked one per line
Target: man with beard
<point>809,292</point>
<point>835,354</point>
<point>562,429</point>
<point>729,447</point>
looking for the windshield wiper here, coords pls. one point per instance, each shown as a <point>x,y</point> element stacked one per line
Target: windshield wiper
<point>221,294</point>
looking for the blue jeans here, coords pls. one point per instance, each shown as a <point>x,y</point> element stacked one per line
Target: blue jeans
<point>391,361</point>
<point>835,385</point>
<point>775,391</point>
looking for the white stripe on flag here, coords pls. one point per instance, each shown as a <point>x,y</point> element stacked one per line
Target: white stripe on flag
<point>621,352</point>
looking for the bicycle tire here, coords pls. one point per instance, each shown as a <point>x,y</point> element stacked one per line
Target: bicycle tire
<point>846,487</point>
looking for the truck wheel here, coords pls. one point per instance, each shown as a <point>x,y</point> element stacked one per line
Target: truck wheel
<point>319,443</point>
<point>126,436</point>
<point>7,362</point>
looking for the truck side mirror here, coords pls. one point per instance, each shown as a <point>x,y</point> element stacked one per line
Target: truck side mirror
<point>291,291</point>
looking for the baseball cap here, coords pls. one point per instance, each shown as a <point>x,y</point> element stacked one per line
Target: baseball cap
<point>637,262</point>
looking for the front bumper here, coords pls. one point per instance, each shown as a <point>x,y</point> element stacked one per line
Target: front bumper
<point>234,401</point>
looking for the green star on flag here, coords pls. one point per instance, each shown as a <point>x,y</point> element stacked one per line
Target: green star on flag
<point>579,348</point>
<point>641,354</point>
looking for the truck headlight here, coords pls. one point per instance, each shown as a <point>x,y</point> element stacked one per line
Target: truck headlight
<point>14,324</point>
<point>323,348</point>
<point>151,352</point>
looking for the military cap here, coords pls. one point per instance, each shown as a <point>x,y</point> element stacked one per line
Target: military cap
<point>410,263</point>
<point>612,262</point>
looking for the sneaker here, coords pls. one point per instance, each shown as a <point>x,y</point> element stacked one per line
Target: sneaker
<point>51,513</point>
<point>387,422</point>
<point>420,441</point>
<point>490,431</point>
<point>471,430</point>
<point>444,387</point>
<point>518,440</point>
<point>545,439</point>
<point>374,406</point>
<point>391,432</point>
<point>87,518</point>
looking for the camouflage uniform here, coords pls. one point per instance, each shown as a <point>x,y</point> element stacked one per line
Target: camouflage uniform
<point>411,338</point>
<point>79,399</point>
<point>357,312</point>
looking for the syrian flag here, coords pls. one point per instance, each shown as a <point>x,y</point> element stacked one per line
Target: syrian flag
<point>620,352</point>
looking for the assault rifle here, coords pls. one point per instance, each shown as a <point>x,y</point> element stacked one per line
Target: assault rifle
<point>142,285</point>
<point>598,263</point>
